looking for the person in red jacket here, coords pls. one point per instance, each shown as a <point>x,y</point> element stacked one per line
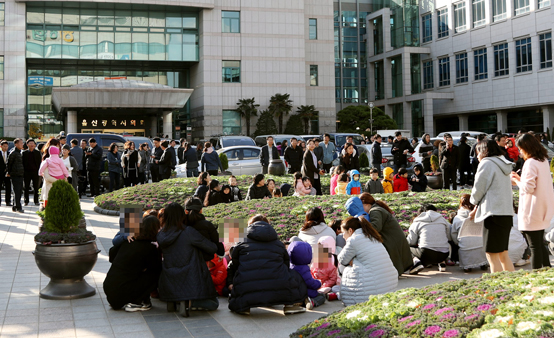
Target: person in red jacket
<point>218,270</point>
<point>400,181</point>
<point>512,150</point>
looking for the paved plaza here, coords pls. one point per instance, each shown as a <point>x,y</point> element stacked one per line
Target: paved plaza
<point>24,314</point>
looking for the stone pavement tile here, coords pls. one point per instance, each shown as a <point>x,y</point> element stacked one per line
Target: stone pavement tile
<point>93,335</point>
<point>91,331</point>
<point>208,331</point>
<point>175,333</point>
<point>161,318</point>
<point>86,302</point>
<point>128,319</point>
<point>62,325</point>
<point>17,313</point>
<point>57,333</point>
<point>21,320</point>
<point>202,323</point>
<point>22,306</point>
<point>55,316</point>
<point>19,335</point>
<point>129,328</point>
<point>134,335</point>
<point>88,322</point>
<point>240,330</point>
<point>14,328</point>
<point>92,308</point>
<point>166,326</point>
<point>90,315</point>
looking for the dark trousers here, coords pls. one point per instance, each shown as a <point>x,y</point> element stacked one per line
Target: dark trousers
<point>155,172</point>
<point>465,174</point>
<point>318,300</point>
<point>28,178</point>
<point>454,256</point>
<point>214,172</point>
<point>293,170</point>
<point>94,180</point>
<point>448,176</point>
<point>428,256</point>
<point>398,166</point>
<point>426,165</point>
<point>317,186</point>
<point>114,180</point>
<point>327,166</point>
<point>17,184</point>
<point>192,173</point>
<point>264,169</point>
<point>131,179</point>
<point>82,183</point>
<point>7,183</point>
<point>539,253</point>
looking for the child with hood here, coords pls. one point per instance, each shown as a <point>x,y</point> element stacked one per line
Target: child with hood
<point>324,267</point>
<point>512,150</point>
<point>400,182</point>
<point>56,170</point>
<point>334,178</point>
<point>354,187</point>
<point>342,182</point>
<point>300,258</point>
<point>218,270</point>
<point>226,194</point>
<point>418,179</point>
<point>387,181</point>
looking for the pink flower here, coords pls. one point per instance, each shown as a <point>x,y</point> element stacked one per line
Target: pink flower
<point>428,306</point>
<point>484,307</point>
<point>323,326</point>
<point>448,316</point>
<point>450,333</point>
<point>281,225</point>
<point>414,323</point>
<point>330,333</point>
<point>470,317</point>
<point>405,318</point>
<point>432,330</point>
<point>370,327</point>
<point>440,311</point>
<point>377,333</point>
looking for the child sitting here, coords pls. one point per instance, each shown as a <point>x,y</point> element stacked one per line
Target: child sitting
<point>218,270</point>
<point>334,178</point>
<point>235,190</point>
<point>277,193</point>
<point>300,258</point>
<point>340,242</point>
<point>374,186</point>
<point>324,266</point>
<point>213,196</point>
<point>354,187</point>
<point>401,181</point>
<point>225,194</point>
<point>387,181</point>
<point>341,184</point>
<point>418,179</point>
<point>303,187</point>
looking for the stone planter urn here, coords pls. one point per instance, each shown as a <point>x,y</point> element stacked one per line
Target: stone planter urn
<point>434,181</point>
<point>66,265</point>
<point>276,167</point>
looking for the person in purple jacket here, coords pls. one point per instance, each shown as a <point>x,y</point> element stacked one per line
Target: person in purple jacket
<point>300,258</point>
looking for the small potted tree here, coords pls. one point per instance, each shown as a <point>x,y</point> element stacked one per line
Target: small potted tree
<point>64,252</point>
<point>434,178</point>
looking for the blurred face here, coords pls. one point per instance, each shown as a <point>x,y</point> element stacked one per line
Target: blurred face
<point>311,145</point>
<point>327,139</point>
<point>31,146</point>
<point>208,179</point>
<point>346,234</point>
<point>5,147</point>
<point>449,142</point>
<point>19,145</point>
<point>261,183</point>
<point>233,181</point>
<point>350,150</point>
<point>349,139</point>
<point>293,143</point>
<point>65,152</point>
<point>379,139</point>
<point>356,177</point>
<point>427,138</point>
<point>271,185</point>
<point>270,141</point>
<point>374,176</point>
<point>93,144</point>
<point>307,184</point>
<point>115,150</point>
<point>218,188</point>
<point>502,142</point>
<point>132,146</point>
<point>83,144</point>
<point>226,191</point>
<point>509,143</point>
<point>416,171</point>
<point>157,144</point>
<point>399,137</point>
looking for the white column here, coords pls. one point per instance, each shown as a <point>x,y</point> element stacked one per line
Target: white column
<point>463,122</point>
<point>154,126</point>
<point>168,123</point>
<point>547,119</point>
<point>501,121</point>
<point>428,123</point>
<point>71,122</point>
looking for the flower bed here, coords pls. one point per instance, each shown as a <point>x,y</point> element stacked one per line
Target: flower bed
<point>516,304</point>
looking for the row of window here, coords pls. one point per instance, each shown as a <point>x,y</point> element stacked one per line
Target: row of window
<point>524,62</point>
<point>478,16</point>
<point>231,73</point>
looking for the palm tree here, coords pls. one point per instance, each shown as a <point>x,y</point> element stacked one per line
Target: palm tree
<point>280,105</point>
<point>247,108</point>
<point>307,113</point>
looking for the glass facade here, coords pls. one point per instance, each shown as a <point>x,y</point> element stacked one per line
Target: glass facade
<point>313,75</point>
<point>442,15</point>
<point>379,80</point>
<point>545,41</point>
<point>528,120</point>
<point>485,123</point>
<point>428,75</point>
<point>501,63</point>
<point>479,18</point>
<point>230,22</point>
<point>460,17</point>
<point>2,14</point>
<point>498,10</point>
<point>231,71</point>
<point>231,122</point>
<point>461,68</point>
<point>1,122</point>
<point>313,29</point>
<point>2,67</point>
<point>544,3</point>
<point>398,115</point>
<point>417,118</point>
<point>480,64</point>
<point>404,23</point>
<point>104,32</point>
<point>415,69</point>
<point>378,36</point>
<point>521,6</point>
<point>444,72</point>
<point>427,23</point>
<point>524,59</point>
<point>396,75</point>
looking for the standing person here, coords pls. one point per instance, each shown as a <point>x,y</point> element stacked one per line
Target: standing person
<point>492,196</point>
<point>310,168</point>
<point>172,145</point>
<point>190,160</point>
<point>349,140</point>
<point>199,152</point>
<point>94,162</point>
<point>165,162</point>
<point>536,198</point>
<point>83,168</point>
<point>16,172</point>
<point>465,168</point>
<point>449,158</point>
<point>114,166</point>
<point>210,161</point>
<point>329,150</point>
<point>318,151</point>
<point>31,164</point>
<point>71,166</point>
<point>130,163</point>
<point>156,156</point>
<point>269,152</point>
<point>283,146</point>
<point>426,151</point>
<point>376,154</point>
<point>349,158</point>
<point>77,154</point>
<point>415,142</point>
<point>544,139</point>
<point>144,163</point>
<point>293,156</point>
<point>4,177</point>
<point>181,150</point>
<point>400,149</point>
<point>501,141</point>
<point>474,155</point>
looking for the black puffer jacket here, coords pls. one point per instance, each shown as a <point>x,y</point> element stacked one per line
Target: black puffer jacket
<point>185,275</point>
<point>209,230</point>
<point>94,161</point>
<point>257,193</point>
<point>260,273</point>
<point>15,164</point>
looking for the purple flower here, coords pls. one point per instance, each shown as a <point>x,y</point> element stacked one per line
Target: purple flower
<point>370,327</point>
<point>470,317</point>
<point>415,322</point>
<point>322,326</point>
<point>377,333</point>
<point>405,318</point>
<point>330,333</point>
<point>432,330</point>
<point>428,306</point>
<point>484,307</point>
<point>450,333</point>
<point>448,316</point>
<point>445,309</point>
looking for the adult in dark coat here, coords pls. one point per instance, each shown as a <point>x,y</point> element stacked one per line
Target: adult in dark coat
<point>190,160</point>
<point>294,156</point>
<point>258,190</point>
<point>135,269</point>
<point>376,153</point>
<point>157,153</point>
<point>310,167</point>
<point>16,173</point>
<point>174,153</point>
<point>465,165</point>
<point>31,164</point>
<point>203,226</point>
<point>185,275</point>
<point>349,158</point>
<point>210,161</point>
<point>164,164</point>
<point>259,273</point>
<point>401,147</point>
<point>94,164</point>
<point>266,157</point>
<point>5,180</point>
<point>130,163</point>
<point>425,152</point>
<point>449,159</point>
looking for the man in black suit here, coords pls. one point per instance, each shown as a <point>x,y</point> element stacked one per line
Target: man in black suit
<point>293,156</point>
<point>265,158</point>
<point>156,156</point>
<point>400,149</point>
<point>5,180</point>
<point>31,164</point>
<point>16,173</point>
<point>94,162</point>
<point>376,154</point>
<point>171,148</point>
<point>449,163</point>
<point>165,161</point>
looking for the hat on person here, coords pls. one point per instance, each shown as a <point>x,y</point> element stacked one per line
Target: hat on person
<point>53,150</point>
<point>193,204</point>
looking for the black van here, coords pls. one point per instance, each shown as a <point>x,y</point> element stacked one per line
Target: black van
<point>103,140</point>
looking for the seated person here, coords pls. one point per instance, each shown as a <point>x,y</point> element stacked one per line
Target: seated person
<point>418,179</point>
<point>300,258</point>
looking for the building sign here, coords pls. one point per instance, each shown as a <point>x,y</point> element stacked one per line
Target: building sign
<point>38,81</point>
<point>95,123</point>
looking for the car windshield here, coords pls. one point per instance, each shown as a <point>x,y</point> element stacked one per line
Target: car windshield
<point>340,140</point>
<point>386,150</point>
<point>243,141</point>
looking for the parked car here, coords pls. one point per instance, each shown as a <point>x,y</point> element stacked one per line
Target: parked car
<point>458,134</point>
<point>103,140</point>
<point>339,139</point>
<point>221,142</point>
<point>277,139</point>
<point>470,142</point>
<point>310,137</point>
<point>388,157</point>
<point>140,140</point>
<point>243,160</point>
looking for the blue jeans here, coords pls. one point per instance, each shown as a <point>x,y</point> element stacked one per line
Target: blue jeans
<point>318,300</point>
<point>192,173</point>
<point>114,179</point>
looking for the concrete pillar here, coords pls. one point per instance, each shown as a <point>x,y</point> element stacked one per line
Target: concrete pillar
<point>371,80</point>
<point>406,75</point>
<point>388,110</point>
<point>154,126</point>
<point>369,36</point>
<point>168,123</point>
<point>428,122</point>
<point>407,115</point>
<point>463,121</point>
<point>548,118</point>
<point>386,31</point>
<point>71,122</point>
<point>388,78</point>
<point>502,121</point>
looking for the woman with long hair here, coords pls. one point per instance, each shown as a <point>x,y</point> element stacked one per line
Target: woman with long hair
<point>71,165</point>
<point>336,172</point>
<point>314,227</point>
<point>131,163</point>
<point>536,197</point>
<point>258,189</point>
<point>203,182</point>
<point>52,142</point>
<point>114,166</point>
<point>144,166</point>
<point>210,161</point>
<point>349,158</point>
<point>425,152</point>
<point>367,268</point>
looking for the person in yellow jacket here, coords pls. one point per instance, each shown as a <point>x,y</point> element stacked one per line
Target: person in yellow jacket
<point>387,181</point>
<point>342,182</point>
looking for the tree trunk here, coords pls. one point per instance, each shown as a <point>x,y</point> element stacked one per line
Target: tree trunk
<point>247,127</point>
<point>306,126</point>
<point>281,124</point>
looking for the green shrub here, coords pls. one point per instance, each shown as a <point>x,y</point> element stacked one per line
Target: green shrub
<point>434,163</point>
<point>364,161</point>
<point>63,211</point>
<point>224,161</point>
<point>294,125</point>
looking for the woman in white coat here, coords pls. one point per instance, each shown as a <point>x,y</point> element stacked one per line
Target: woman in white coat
<point>314,227</point>
<point>368,269</point>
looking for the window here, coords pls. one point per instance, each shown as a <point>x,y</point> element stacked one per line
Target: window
<point>521,6</point>
<point>543,3</point>
<point>460,17</point>
<point>479,13</point>
<point>501,63</point>
<point>231,122</point>
<point>313,75</point>
<point>442,15</point>
<point>498,10</point>
<point>231,71</point>
<point>427,27</point>
<point>546,49</point>
<point>251,153</point>
<point>480,60</point>
<point>524,61</point>
<point>230,22</point>
<point>1,67</point>
<point>444,72</point>
<point>313,29</point>
<point>461,68</point>
<point>428,75</point>
<point>1,17</point>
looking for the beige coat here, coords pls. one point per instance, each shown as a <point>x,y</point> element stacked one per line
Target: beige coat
<point>536,196</point>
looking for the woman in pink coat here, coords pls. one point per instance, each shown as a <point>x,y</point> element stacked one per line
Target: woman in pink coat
<point>536,197</point>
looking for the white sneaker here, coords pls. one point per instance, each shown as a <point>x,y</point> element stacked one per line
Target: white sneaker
<point>522,262</point>
<point>137,307</point>
<point>292,309</point>
<point>442,267</point>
